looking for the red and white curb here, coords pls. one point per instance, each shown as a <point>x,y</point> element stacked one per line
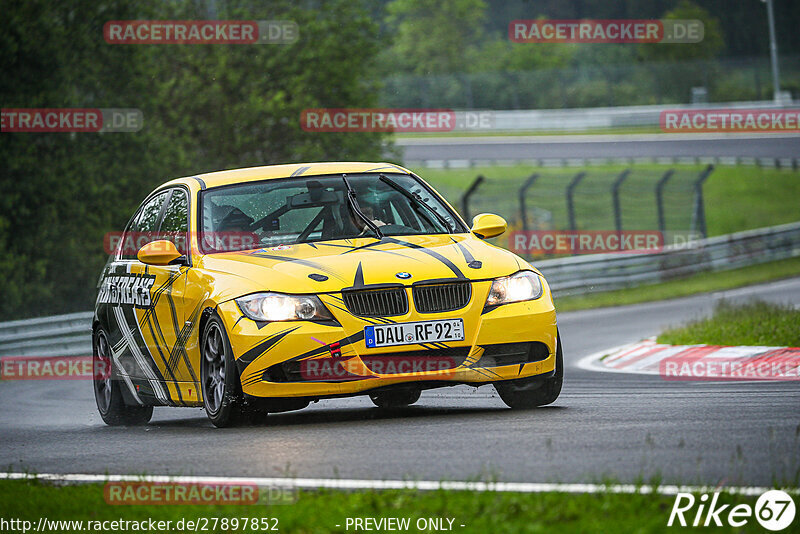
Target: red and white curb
<point>697,362</point>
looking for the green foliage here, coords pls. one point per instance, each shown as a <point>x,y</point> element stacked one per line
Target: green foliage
<point>205,107</point>
<point>711,45</point>
<point>754,323</point>
<point>435,36</point>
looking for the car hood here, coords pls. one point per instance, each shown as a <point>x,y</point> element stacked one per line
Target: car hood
<point>331,266</point>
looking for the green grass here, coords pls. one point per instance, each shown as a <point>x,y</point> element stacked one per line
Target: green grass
<point>691,285</point>
<point>752,323</point>
<point>320,512</point>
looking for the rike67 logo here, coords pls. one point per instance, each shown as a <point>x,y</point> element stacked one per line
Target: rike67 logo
<point>774,510</point>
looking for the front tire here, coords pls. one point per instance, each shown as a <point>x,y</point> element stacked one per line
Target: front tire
<point>108,390</point>
<point>526,393</point>
<point>222,391</point>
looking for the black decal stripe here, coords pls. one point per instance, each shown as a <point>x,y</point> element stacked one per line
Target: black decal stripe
<point>135,327</point>
<point>307,263</point>
<point>358,281</point>
<point>468,257</point>
<point>174,355</point>
<point>249,356</point>
<point>429,252</point>
<point>336,245</point>
<point>167,363</point>
<point>365,319</point>
<point>180,342</point>
<point>322,349</point>
<point>156,296</point>
<point>370,248</point>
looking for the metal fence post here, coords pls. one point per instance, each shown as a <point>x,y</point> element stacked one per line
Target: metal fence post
<point>468,193</point>
<point>523,209</point>
<point>699,215</point>
<point>615,196</point>
<point>570,204</point>
<point>662,183</point>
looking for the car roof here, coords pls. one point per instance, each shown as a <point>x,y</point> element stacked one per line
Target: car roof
<point>270,172</point>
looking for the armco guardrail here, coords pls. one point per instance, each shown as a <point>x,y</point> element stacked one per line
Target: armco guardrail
<point>59,335</point>
<point>69,335</point>
<point>582,119</point>
<point>602,272</point>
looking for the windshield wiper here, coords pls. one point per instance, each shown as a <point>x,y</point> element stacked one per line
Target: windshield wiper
<point>351,196</point>
<point>416,203</point>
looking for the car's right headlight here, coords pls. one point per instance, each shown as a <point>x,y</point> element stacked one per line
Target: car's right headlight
<point>282,307</point>
<point>524,285</point>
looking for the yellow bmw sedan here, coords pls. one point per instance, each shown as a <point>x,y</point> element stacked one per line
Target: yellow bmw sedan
<point>263,289</point>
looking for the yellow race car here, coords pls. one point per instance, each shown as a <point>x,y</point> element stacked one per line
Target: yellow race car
<point>263,289</point>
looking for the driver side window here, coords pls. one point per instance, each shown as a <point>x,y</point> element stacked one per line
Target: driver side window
<point>143,228</point>
<point>175,226</point>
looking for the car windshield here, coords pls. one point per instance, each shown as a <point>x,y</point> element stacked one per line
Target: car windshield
<point>319,208</point>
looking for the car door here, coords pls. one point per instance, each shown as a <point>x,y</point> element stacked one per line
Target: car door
<point>147,312</point>
<point>168,325</point>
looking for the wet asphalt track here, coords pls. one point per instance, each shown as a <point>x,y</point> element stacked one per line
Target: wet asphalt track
<point>622,427</point>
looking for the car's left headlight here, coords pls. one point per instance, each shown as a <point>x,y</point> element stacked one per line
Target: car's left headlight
<point>282,307</point>
<point>524,285</point>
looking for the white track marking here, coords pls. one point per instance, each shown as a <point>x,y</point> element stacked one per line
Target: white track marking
<point>422,485</point>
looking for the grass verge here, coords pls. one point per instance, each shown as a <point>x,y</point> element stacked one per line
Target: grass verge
<point>322,511</point>
<point>751,323</point>
<point>699,283</point>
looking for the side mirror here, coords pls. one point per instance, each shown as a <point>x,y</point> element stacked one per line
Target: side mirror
<point>486,225</point>
<point>160,252</point>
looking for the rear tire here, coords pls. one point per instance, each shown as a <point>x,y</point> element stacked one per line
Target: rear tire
<point>395,399</point>
<point>108,390</point>
<point>222,392</point>
<point>527,393</point>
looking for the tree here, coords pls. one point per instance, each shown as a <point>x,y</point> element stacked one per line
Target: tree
<point>435,36</point>
<point>710,47</point>
<point>205,107</point>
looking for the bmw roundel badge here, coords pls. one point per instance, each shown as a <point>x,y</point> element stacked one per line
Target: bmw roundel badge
<point>403,275</point>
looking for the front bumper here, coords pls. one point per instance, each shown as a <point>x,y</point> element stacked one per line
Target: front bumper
<point>305,359</point>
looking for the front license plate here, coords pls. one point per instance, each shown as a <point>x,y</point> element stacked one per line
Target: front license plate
<point>412,333</point>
